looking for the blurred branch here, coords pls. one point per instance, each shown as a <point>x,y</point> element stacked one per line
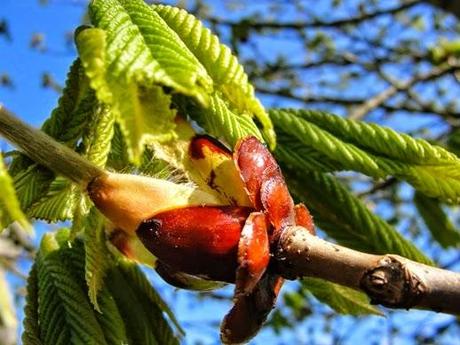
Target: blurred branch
<point>389,280</point>
<point>258,25</point>
<point>379,99</point>
<point>447,5</point>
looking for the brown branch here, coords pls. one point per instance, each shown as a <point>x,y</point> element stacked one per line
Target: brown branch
<point>258,25</point>
<point>448,6</point>
<point>350,101</point>
<point>379,99</point>
<point>389,280</point>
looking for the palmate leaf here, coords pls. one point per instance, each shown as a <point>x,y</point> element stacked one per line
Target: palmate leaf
<point>135,275</point>
<point>10,209</point>
<point>137,56</point>
<point>437,221</point>
<point>374,150</point>
<point>128,57</point>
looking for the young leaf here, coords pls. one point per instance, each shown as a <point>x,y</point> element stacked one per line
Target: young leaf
<point>10,209</point>
<point>436,220</point>
<point>223,122</point>
<point>141,46</point>
<point>227,74</point>
<point>143,111</point>
<point>139,325</point>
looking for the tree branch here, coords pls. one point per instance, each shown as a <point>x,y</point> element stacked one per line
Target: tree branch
<point>447,5</point>
<point>349,101</point>
<point>379,99</point>
<point>389,280</point>
<point>258,25</point>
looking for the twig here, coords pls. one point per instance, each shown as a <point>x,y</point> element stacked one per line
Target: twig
<point>389,92</point>
<point>258,25</point>
<point>47,151</point>
<point>389,280</point>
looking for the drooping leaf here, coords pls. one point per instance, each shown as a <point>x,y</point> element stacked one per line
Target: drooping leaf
<point>340,298</point>
<point>31,333</point>
<point>97,256</point>
<point>108,314</point>
<point>437,221</point>
<point>58,204</point>
<point>128,57</point>
<point>345,218</point>
<point>65,313</point>
<point>375,150</point>
<point>135,275</point>
<point>66,124</point>
<point>143,110</point>
<point>59,311</point>
<point>223,67</point>
<point>10,209</point>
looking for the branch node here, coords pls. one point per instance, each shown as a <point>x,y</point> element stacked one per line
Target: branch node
<point>391,284</point>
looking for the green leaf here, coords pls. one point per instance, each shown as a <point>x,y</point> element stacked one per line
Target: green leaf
<point>96,141</point>
<point>31,184</point>
<point>143,111</point>
<point>141,46</point>
<point>221,121</point>
<point>375,150</point>
<point>31,333</point>
<point>66,316</point>
<point>128,57</point>
<point>58,204</point>
<point>436,220</point>
<point>108,316</point>
<point>10,209</point>
<point>111,320</point>
<point>340,298</point>
<point>137,317</point>
<point>135,275</point>
<point>344,217</point>
<point>97,256</point>
<point>227,74</point>
<point>67,123</point>
<point>293,153</point>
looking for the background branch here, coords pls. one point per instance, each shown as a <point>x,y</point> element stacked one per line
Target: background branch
<point>389,280</point>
